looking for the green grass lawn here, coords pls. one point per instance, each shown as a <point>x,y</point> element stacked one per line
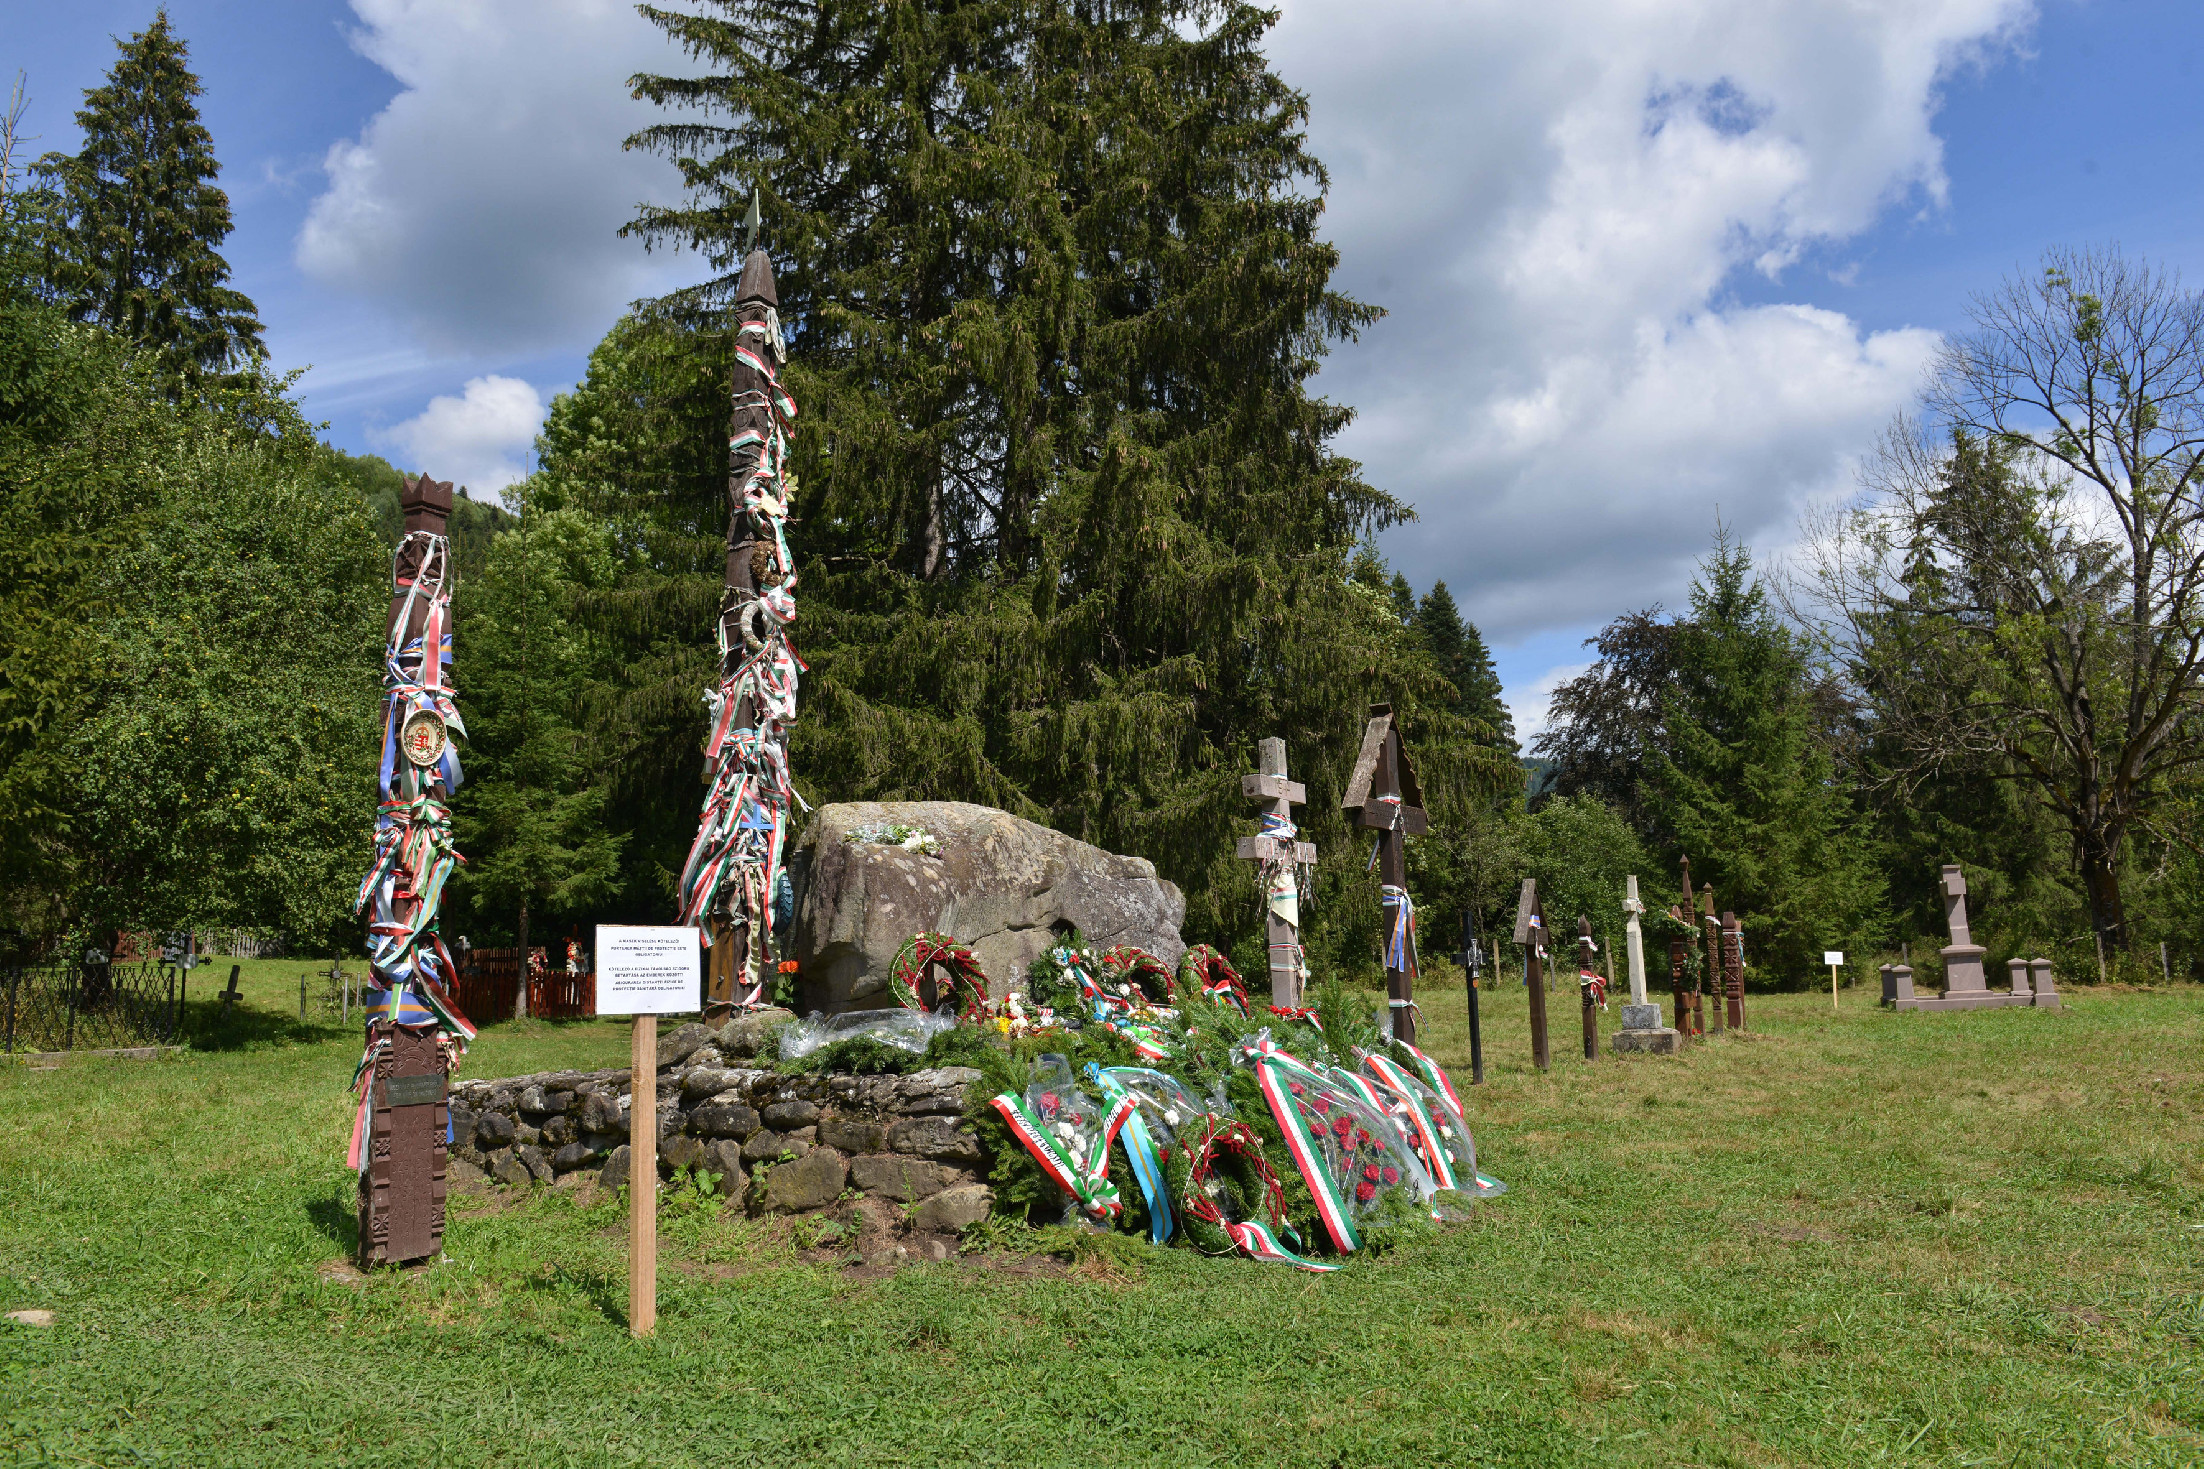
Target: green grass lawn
<point>1853,1239</point>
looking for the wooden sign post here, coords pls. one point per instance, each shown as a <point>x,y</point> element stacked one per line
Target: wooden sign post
<point>1834,958</point>
<point>1384,793</point>
<point>1281,858</point>
<point>646,972</point>
<point>1530,932</point>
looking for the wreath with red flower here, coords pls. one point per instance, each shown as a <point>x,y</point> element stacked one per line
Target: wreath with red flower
<point>1204,971</point>
<point>1220,1174</point>
<point>911,977</point>
<point>1138,973</point>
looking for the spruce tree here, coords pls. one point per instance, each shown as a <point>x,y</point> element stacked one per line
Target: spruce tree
<point>1073,534</point>
<point>1459,650</point>
<point>141,220</point>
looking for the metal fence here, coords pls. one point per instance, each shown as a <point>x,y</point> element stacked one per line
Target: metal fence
<point>73,1007</point>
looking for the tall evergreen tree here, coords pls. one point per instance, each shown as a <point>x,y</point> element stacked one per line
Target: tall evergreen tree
<point>1459,650</point>
<point>1073,537</point>
<point>141,220</point>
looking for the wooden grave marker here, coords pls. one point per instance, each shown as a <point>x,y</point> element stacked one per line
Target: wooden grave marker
<point>1530,933</point>
<point>1386,798</point>
<point>1281,856</point>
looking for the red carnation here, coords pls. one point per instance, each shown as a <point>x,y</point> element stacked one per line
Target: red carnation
<point>1342,1126</point>
<point>1365,1191</point>
<point>1392,1175</point>
<point>1294,1087</point>
<point>1323,1104</point>
<point>1370,1171</point>
<point>1050,1101</point>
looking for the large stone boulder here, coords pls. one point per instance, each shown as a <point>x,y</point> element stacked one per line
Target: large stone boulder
<point>1004,885</point>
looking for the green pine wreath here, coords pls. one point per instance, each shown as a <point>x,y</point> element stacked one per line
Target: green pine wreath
<point>967,981</point>
<point>1219,1173</point>
<point>1204,971</point>
<point>1134,967</point>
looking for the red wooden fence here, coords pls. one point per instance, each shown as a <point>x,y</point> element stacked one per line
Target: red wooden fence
<point>487,979</point>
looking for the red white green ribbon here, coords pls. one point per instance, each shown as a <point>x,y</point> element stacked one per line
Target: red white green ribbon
<point>1433,1148</point>
<point>1086,1179</point>
<point>1283,1079</point>
<point>1434,1077</point>
<point>1258,1243</point>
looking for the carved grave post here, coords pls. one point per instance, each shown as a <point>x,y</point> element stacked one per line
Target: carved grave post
<point>1281,858</point>
<point>734,866</point>
<point>1733,970</point>
<point>415,1032</point>
<point>1710,935</point>
<point>1530,932</point>
<point>1588,987</point>
<point>1384,794</point>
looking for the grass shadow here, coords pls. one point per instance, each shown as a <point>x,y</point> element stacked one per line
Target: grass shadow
<point>210,1026</point>
<point>336,1218</point>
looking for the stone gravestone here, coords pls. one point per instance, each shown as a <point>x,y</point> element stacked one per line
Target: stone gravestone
<point>2046,995</point>
<point>1641,1022</point>
<point>1965,985</point>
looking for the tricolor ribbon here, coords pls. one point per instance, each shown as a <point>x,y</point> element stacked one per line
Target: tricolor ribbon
<point>1431,1146</point>
<point>1140,1151</point>
<point>1086,1179</point>
<point>1280,1075</point>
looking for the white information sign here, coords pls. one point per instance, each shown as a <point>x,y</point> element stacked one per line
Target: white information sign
<point>654,969</point>
<point>1832,956</point>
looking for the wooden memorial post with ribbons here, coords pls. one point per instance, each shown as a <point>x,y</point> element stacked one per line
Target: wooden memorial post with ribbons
<point>1281,857</point>
<point>1384,794</point>
<point>1530,932</point>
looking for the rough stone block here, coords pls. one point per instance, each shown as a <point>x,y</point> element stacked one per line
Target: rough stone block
<point>535,1102</point>
<point>601,1113</point>
<point>493,1130</point>
<point>614,1175</point>
<point>725,1159</point>
<point>526,1136</point>
<point>749,1034</point>
<point>706,1081</point>
<point>1658,1040</point>
<point>680,1043</point>
<point>852,1134</point>
<point>811,1182</point>
<point>559,1131</point>
<point>790,1114</point>
<point>937,1138</point>
<point>955,1208</point>
<point>569,1158</point>
<point>679,1152</point>
<point>901,1177</point>
<point>1641,1017</point>
<point>763,1144</point>
<point>724,1118</point>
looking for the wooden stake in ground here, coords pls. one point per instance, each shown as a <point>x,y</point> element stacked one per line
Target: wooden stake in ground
<point>1530,933</point>
<point>1384,793</point>
<point>646,972</point>
<point>1281,857</point>
<point>1834,958</point>
<point>1589,987</point>
<point>1695,1025</point>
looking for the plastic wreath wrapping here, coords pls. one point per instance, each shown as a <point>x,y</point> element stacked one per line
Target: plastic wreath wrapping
<point>1068,1134</point>
<point>734,864</point>
<point>1445,1107</point>
<point>1439,1135</point>
<point>414,856</point>
<point>1228,1197</point>
<point>1204,971</point>
<point>910,977</point>
<point>1162,1107</point>
<point>906,1030</point>
<point>1340,1135</point>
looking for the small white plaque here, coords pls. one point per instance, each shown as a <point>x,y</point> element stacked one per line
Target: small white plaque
<point>1831,956</point>
<point>654,969</point>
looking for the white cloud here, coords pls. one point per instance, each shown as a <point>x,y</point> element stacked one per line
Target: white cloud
<point>480,207</point>
<point>479,440</point>
<point>1554,201</point>
<point>1528,706</point>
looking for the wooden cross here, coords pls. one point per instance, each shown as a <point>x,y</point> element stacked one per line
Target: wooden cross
<point>1584,947</point>
<point>1279,855</point>
<point>1384,793</point>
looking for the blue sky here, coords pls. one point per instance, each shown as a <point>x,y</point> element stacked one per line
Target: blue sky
<point>1640,265</point>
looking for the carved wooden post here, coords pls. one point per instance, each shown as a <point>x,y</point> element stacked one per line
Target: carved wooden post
<point>415,1032</point>
<point>1281,857</point>
<point>1733,970</point>
<point>734,865</point>
<point>1710,937</point>
<point>1384,792</point>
